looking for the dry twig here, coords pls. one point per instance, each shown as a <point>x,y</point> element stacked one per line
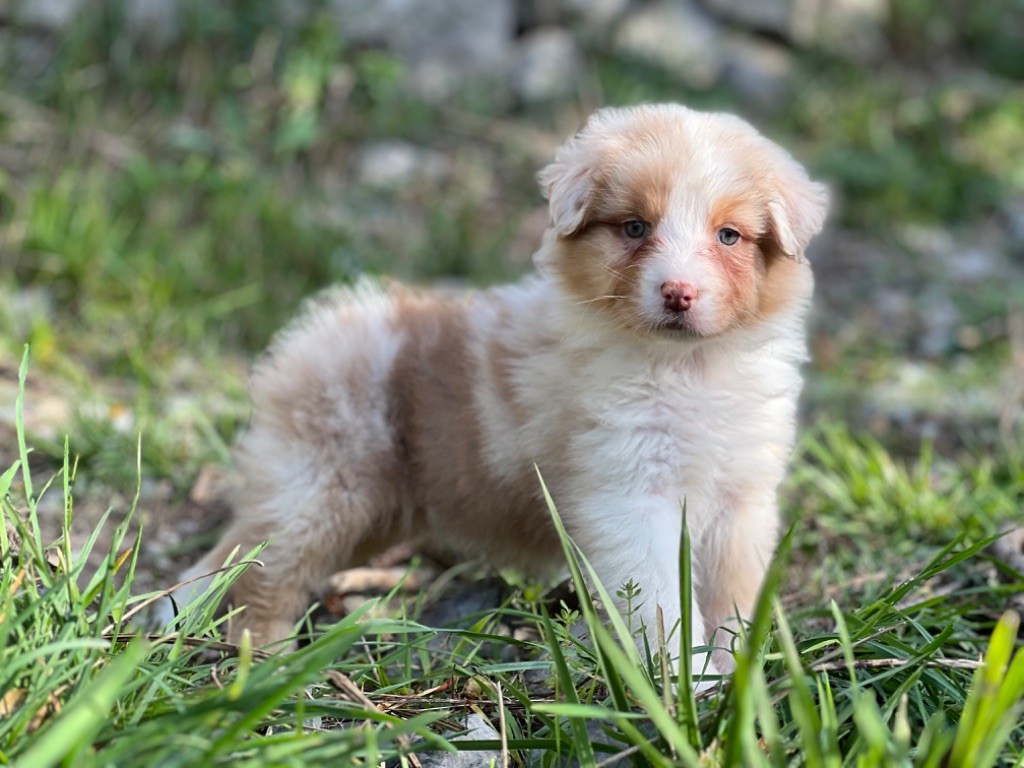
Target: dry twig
<point>831,666</point>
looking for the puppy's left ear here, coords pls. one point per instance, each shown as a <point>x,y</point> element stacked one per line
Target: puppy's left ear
<point>797,207</point>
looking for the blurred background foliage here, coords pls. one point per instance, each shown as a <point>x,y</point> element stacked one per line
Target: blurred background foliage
<point>176,175</point>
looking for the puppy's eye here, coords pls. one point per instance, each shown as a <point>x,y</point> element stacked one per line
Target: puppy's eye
<point>728,236</point>
<point>634,228</point>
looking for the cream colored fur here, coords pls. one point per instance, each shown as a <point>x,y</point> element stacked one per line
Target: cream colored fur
<point>383,414</point>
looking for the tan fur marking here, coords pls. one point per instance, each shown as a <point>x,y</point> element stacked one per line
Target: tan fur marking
<point>785,280</point>
<point>745,212</point>
<point>436,419</point>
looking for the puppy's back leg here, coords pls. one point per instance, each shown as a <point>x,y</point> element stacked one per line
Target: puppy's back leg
<point>320,476</point>
<point>235,543</point>
<point>309,539</point>
<point>198,579</point>
<point>320,498</point>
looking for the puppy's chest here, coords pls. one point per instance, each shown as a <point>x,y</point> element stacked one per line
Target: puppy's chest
<point>670,428</point>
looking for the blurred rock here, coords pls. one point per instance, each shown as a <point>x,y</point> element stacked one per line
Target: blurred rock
<point>938,326</point>
<point>539,13</point>
<point>449,44</point>
<point>46,414</point>
<point>676,36</point>
<point>157,22</point>
<point>444,44</point>
<point>597,15</point>
<point>26,308</point>
<point>764,15</point>
<point>362,21</point>
<point>548,65</point>
<point>47,14</point>
<point>914,389</point>
<point>759,70</point>
<point>851,28</point>
<point>1013,210</point>
<point>974,265</point>
<point>395,164</point>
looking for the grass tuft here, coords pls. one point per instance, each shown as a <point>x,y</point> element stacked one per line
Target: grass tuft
<point>906,678</point>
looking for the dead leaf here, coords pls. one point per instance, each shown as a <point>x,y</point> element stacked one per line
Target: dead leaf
<point>11,701</point>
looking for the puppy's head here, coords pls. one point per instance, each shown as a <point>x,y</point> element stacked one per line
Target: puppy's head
<point>679,223</point>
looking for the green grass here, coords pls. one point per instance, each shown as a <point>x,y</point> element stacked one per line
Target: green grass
<point>901,678</point>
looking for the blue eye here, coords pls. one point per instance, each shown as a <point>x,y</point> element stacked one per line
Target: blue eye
<point>634,228</point>
<point>728,236</point>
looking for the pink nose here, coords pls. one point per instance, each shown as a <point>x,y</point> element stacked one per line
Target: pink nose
<point>679,296</point>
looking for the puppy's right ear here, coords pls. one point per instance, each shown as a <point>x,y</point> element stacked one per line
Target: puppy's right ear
<point>568,183</point>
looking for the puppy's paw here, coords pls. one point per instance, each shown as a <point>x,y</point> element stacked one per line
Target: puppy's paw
<point>273,635</point>
<point>162,615</point>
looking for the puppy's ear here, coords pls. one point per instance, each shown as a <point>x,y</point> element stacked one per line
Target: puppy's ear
<point>797,207</point>
<point>567,183</point>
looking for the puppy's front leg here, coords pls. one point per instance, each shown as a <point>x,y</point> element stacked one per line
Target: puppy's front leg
<point>638,540</point>
<point>737,570</point>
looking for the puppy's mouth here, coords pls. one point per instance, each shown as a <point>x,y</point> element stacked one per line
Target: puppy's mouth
<point>677,327</point>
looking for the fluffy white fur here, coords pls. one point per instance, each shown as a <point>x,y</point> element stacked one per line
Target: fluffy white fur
<point>384,414</point>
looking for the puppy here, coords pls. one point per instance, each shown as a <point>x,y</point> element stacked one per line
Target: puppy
<point>653,360</point>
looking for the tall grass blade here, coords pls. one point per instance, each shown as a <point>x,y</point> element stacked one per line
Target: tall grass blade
<point>738,738</point>
<point>74,728</point>
<point>685,701</point>
<point>573,558</point>
<point>581,739</point>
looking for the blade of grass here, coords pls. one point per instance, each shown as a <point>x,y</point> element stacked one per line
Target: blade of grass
<point>573,558</point>
<point>19,416</point>
<point>994,700</point>
<point>739,740</point>
<point>581,739</point>
<point>647,696</point>
<point>85,715</point>
<point>686,702</point>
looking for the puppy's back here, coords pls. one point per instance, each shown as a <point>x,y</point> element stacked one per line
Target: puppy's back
<point>367,415</point>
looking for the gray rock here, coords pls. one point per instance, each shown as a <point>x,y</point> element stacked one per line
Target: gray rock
<point>445,45</point>
<point>1013,210</point>
<point>395,164</point>
<point>158,22</point>
<point>851,28</point>
<point>975,265</point>
<point>22,309</point>
<point>548,65</point>
<point>48,14</point>
<point>362,21</point>
<point>939,332</point>
<point>676,36</point>
<point>759,70</point>
<point>451,44</point>
<point>766,15</point>
<point>604,735</point>
<point>597,15</point>
<point>478,729</point>
<point>539,13</point>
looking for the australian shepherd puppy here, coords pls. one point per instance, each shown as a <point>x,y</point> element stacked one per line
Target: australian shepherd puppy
<point>652,360</point>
